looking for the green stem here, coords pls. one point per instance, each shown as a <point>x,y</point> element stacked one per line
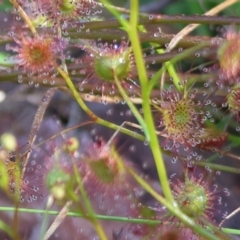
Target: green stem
<point>132,107</point>
<point>46,217</point>
<point>11,232</point>
<point>172,72</point>
<point>88,205</point>
<point>24,16</point>
<point>218,167</point>
<point>178,57</point>
<point>100,217</point>
<point>153,142</point>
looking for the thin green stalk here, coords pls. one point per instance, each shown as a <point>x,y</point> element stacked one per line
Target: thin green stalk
<point>153,142</point>
<point>132,107</point>
<point>88,205</point>
<point>46,217</point>
<point>24,16</point>
<point>136,44</point>
<point>100,217</point>
<point>58,220</point>
<point>11,232</point>
<point>218,167</point>
<point>82,215</point>
<point>174,60</point>
<point>172,72</point>
<point>231,231</point>
<point>176,80</point>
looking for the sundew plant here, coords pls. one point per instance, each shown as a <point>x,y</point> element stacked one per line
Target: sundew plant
<point>119,123</point>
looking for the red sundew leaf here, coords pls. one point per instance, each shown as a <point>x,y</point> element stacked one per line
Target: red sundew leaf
<point>107,182</point>
<point>37,56</point>
<point>45,12</point>
<point>229,57</point>
<point>211,138</point>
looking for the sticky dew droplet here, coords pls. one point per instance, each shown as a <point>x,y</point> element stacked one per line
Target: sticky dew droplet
<point>132,148</point>
<point>174,160</point>
<point>146,143</point>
